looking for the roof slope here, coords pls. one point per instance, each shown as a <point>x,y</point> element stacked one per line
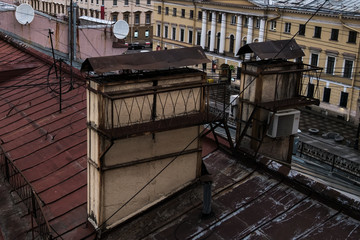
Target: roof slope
<point>49,147</point>
<point>248,203</point>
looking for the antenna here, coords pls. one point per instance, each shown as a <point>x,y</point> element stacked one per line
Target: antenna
<point>24,14</point>
<point>121,29</point>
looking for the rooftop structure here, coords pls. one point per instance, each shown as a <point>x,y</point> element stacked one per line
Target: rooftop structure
<point>44,158</point>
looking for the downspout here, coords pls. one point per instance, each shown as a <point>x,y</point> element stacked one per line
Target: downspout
<point>194,24</point>
<point>267,20</point>
<point>355,70</point>
<point>162,25</point>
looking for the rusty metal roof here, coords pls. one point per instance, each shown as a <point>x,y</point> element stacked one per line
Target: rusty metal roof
<point>156,60</point>
<point>49,147</point>
<point>281,49</point>
<point>247,203</point>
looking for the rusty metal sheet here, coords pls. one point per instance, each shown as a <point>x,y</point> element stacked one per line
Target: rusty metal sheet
<point>281,49</point>
<point>49,147</point>
<point>156,60</point>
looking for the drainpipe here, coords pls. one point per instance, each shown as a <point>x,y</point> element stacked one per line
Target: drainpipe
<point>194,24</point>
<point>162,25</point>
<point>267,20</point>
<point>355,70</point>
<point>74,17</point>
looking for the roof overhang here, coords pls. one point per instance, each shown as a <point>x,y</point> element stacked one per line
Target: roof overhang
<point>281,49</point>
<point>155,60</point>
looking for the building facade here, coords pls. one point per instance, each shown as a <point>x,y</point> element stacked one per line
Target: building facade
<point>137,13</point>
<point>329,39</point>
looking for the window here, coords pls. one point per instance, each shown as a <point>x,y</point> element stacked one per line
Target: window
<point>343,99</point>
<point>334,34</point>
<point>198,38</point>
<point>287,27</point>
<point>257,23</point>
<point>246,22</point>
<point>148,2</point>
<point>174,12</point>
<point>126,2</point>
<point>159,9</point>
<point>348,65</point>
<point>158,30</point>
<point>126,17</point>
<point>302,28</point>
<point>310,91</point>
<point>147,33</point>
<point>191,14</point>
<point>314,59</point>
<point>273,25</point>
<point>182,13</point>
<point>114,17</point>
<point>114,2</point>
<point>210,16</point>
<point>174,33</point>
<point>166,31</point>
<point>136,34</point>
<point>182,34</point>
<point>137,18</point>
<point>326,97</point>
<point>200,15</point>
<point>233,19</point>
<point>219,18</point>
<point>352,37</point>
<point>317,32</point>
<point>97,2</point>
<point>232,40</point>
<point>148,18</point>
<point>137,2</point>
<point>103,2</point>
<point>166,10</point>
<point>330,65</point>
<point>190,36</point>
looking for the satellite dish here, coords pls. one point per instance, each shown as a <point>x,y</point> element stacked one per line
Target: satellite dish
<point>121,29</point>
<point>24,14</point>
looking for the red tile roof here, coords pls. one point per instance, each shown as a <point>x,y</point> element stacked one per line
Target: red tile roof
<point>49,147</point>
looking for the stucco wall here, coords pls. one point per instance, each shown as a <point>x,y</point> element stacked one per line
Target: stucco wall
<point>91,42</point>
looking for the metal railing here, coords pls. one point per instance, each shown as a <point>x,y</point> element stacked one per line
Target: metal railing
<point>161,104</point>
<point>331,159</point>
<point>40,228</point>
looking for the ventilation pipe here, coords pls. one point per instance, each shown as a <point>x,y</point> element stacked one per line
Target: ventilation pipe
<point>207,182</point>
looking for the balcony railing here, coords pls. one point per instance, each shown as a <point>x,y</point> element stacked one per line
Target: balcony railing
<point>164,108</point>
<point>39,226</point>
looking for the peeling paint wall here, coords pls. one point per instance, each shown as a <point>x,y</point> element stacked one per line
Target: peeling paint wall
<point>118,169</point>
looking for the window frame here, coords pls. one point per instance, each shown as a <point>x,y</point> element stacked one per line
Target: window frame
<point>330,69</point>
<point>302,29</point>
<point>348,72</point>
<point>183,13</point>
<point>287,28</point>
<point>334,34</point>
<point>317,32</point>
<point>352,37</point>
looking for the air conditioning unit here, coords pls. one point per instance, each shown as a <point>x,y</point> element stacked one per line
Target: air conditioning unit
<point>283,123</point>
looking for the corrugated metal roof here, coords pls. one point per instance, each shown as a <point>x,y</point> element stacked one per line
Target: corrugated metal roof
<point>156,60</point>
<point>47,146</point>
<point>281,49</point>
<point>347,7</point>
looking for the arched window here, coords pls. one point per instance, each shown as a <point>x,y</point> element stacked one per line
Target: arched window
<point>231,45</point>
